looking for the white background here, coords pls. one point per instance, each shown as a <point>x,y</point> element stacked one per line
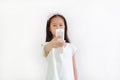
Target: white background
<point>94,27</point>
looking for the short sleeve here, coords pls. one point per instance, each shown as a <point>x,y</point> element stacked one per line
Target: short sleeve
<point>74,49</point>
<point>42,51</point>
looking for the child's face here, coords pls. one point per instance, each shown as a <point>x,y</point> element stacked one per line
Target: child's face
<point>56,23</point>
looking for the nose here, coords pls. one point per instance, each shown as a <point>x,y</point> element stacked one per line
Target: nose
<point>58,27</point>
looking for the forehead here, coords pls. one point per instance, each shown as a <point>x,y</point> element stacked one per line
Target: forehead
<point>57,20</point>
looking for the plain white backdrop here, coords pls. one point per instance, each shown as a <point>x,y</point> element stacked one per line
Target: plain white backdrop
<point>94,27</point>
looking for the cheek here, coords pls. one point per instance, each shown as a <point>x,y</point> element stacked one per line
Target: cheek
<point>52,30</point>
<point>64,27</point>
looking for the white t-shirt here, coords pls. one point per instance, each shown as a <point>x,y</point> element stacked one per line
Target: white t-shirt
<point>60,66</point>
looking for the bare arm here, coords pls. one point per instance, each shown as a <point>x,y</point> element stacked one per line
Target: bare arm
<point>74,68</point>
<point>47,48</point>
<point>53,44</point>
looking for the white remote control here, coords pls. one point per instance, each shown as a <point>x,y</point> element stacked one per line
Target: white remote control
<point>60,37</point>
<point>60,34</point>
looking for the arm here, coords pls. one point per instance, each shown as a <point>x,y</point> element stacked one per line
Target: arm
<point>47,48</point>
<point>53,44</point>
<point>74,68</point>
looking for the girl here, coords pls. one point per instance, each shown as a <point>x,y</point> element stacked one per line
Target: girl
<point>61,66</point>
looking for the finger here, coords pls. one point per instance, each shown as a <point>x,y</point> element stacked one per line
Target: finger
<point>54,39</point>
<point>64,41</point>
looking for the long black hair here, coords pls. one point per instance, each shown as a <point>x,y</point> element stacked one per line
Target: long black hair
<point>49,35</point>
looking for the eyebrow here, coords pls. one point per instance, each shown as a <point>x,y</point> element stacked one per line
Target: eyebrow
<point>55,23</point>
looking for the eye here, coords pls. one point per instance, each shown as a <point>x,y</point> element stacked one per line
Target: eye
<point>61,25</point>
<point>54,25</point>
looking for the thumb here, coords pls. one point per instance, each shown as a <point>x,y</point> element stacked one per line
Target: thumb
<point>64,41</point>
<point>55,38</point>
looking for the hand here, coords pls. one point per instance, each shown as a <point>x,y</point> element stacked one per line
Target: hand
<point>55,43</point>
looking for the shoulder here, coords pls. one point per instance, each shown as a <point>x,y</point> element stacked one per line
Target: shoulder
<point>72,46</point>
<point>44,43</point>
